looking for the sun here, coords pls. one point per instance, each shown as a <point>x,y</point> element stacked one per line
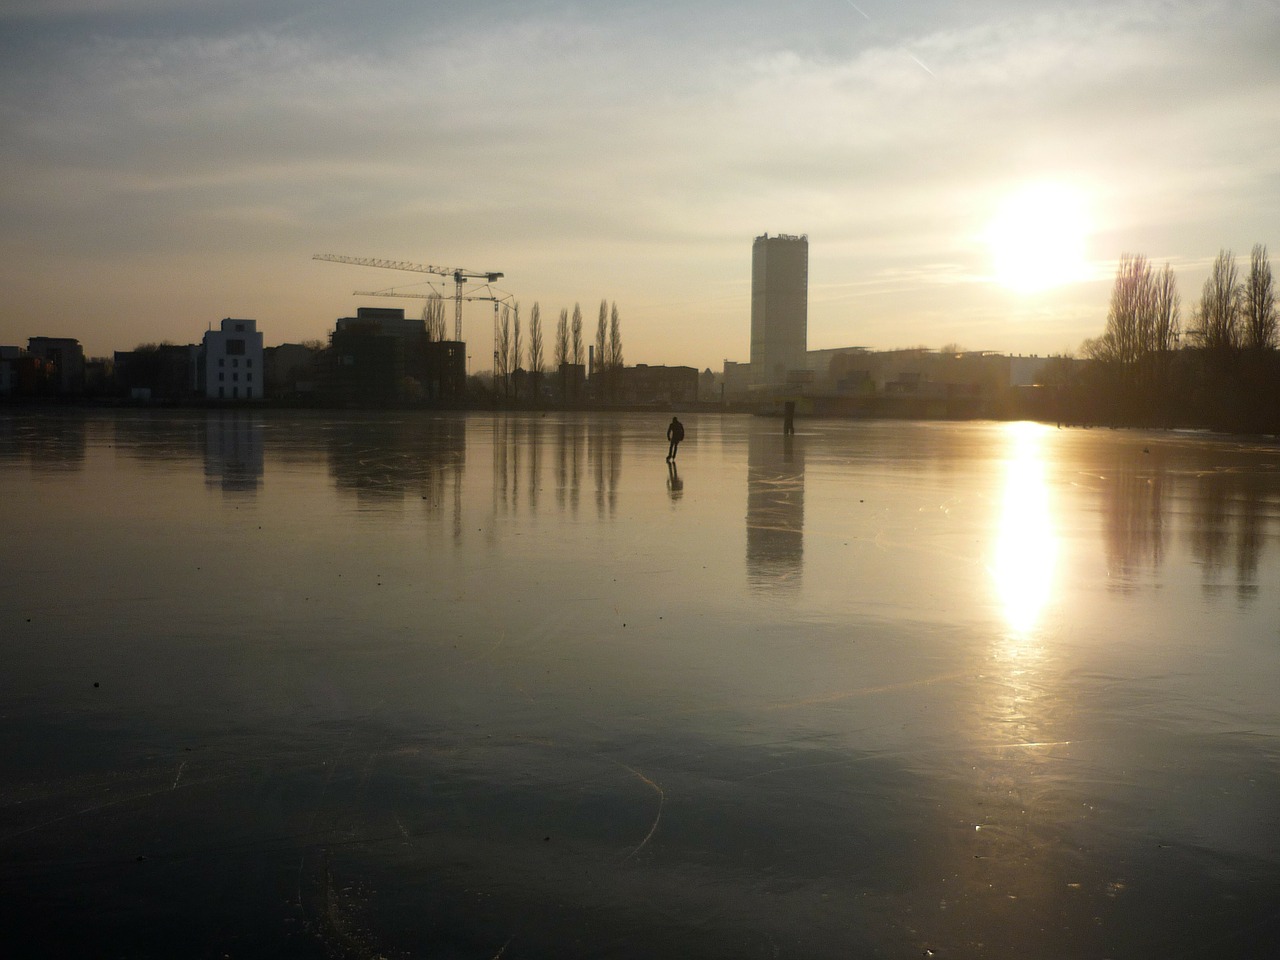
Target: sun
<point>1037,237</point>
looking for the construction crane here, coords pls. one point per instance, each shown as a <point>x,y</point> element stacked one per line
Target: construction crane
<point>492,296</point>
<point>459,275</point>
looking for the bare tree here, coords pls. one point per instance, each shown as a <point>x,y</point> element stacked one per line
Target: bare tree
<point>562,339</point>
<point>602,329</point>
<point>535,347</point>
<point>1259,331</point>
<point>502,362</point>
<point>515,350</point>
<point>1137,346</point>
<point>1098,348</point>
<point>615,338</point>
<point>433,316</point>
<point>577,334</point>
<point>1217,321</point>
<point>1166,323</point>
<point>1128,318</point>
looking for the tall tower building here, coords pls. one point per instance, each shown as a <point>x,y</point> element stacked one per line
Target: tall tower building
<point>779,307</point>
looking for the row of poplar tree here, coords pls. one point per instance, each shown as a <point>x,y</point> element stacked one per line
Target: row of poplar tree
<point>1222,372</point>
<point>511,354</point>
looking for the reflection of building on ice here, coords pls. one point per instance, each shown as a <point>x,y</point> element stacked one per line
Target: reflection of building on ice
<point>775,509</point>
<point>233,457</point>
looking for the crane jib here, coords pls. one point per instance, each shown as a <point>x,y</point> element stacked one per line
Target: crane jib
<point>459,275</point>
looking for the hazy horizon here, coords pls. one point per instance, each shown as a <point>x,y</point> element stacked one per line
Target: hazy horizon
<point>170,164</point>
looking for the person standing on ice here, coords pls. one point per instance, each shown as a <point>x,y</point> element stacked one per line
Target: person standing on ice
<point>675,433</point>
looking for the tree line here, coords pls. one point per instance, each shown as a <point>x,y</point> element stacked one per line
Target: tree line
<point>1221,372</point>
<point>514,362</point>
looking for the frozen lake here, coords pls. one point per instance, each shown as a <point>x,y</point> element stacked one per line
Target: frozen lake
<point>473,686</point>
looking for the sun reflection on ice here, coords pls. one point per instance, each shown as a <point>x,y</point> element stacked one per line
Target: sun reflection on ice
<point>1027,548</point>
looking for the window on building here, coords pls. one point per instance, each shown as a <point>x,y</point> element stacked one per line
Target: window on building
<point>235,376</point>
<point>235,348</point>
<point>239,328</point>
<point>220,393</point>
<point>222,362</point>
<point>235,363</point>
<point>248,361</point>
<point>222,376</point>
<point>249,377</point>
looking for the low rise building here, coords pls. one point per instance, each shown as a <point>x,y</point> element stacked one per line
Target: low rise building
<point>67,357</point>
<point>9,357</point>
<point>571,381</point>
<point>292,370</point>
<point>380,357</point>
<point>168,371</point>
<point>644,384</point>
<point>231,365</point>
<point>383,322</point>
<point>25,376</point>
<point>915,382</point>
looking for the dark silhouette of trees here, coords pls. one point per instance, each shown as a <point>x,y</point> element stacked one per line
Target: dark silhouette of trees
<point>536,361</point>
<point>1143,317</point>
<point>1259,362</point>
<point>502,362</point>
<point>562,339</point>
<point>613,359</point>
<point>515,351</point>
<point>602,327</point>
<point>433,317</point>
<point>1216,324</point>
<point>1217,330</point>
<point>576,330</point>
<point>1222,375</point>
<point>608,353</point>
<point>1134,353</point>
<point>1259,303</point>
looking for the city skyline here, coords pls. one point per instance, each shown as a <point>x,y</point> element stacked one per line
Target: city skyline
<point>169,164</point>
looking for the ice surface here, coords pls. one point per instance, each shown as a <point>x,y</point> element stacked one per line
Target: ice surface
<point>408,685</point>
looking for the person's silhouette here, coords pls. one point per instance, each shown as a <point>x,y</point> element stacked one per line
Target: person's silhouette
<point>675,433</point>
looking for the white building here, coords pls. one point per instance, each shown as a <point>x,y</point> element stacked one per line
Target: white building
<point>779,309</point>
<point>232,368</point>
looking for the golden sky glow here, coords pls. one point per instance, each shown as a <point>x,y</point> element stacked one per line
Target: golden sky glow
<point>168,163</point>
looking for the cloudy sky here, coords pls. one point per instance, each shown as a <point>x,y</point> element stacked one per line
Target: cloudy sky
<point>168,163</point>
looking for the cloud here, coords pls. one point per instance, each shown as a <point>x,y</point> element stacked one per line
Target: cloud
<point>575,141</point>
